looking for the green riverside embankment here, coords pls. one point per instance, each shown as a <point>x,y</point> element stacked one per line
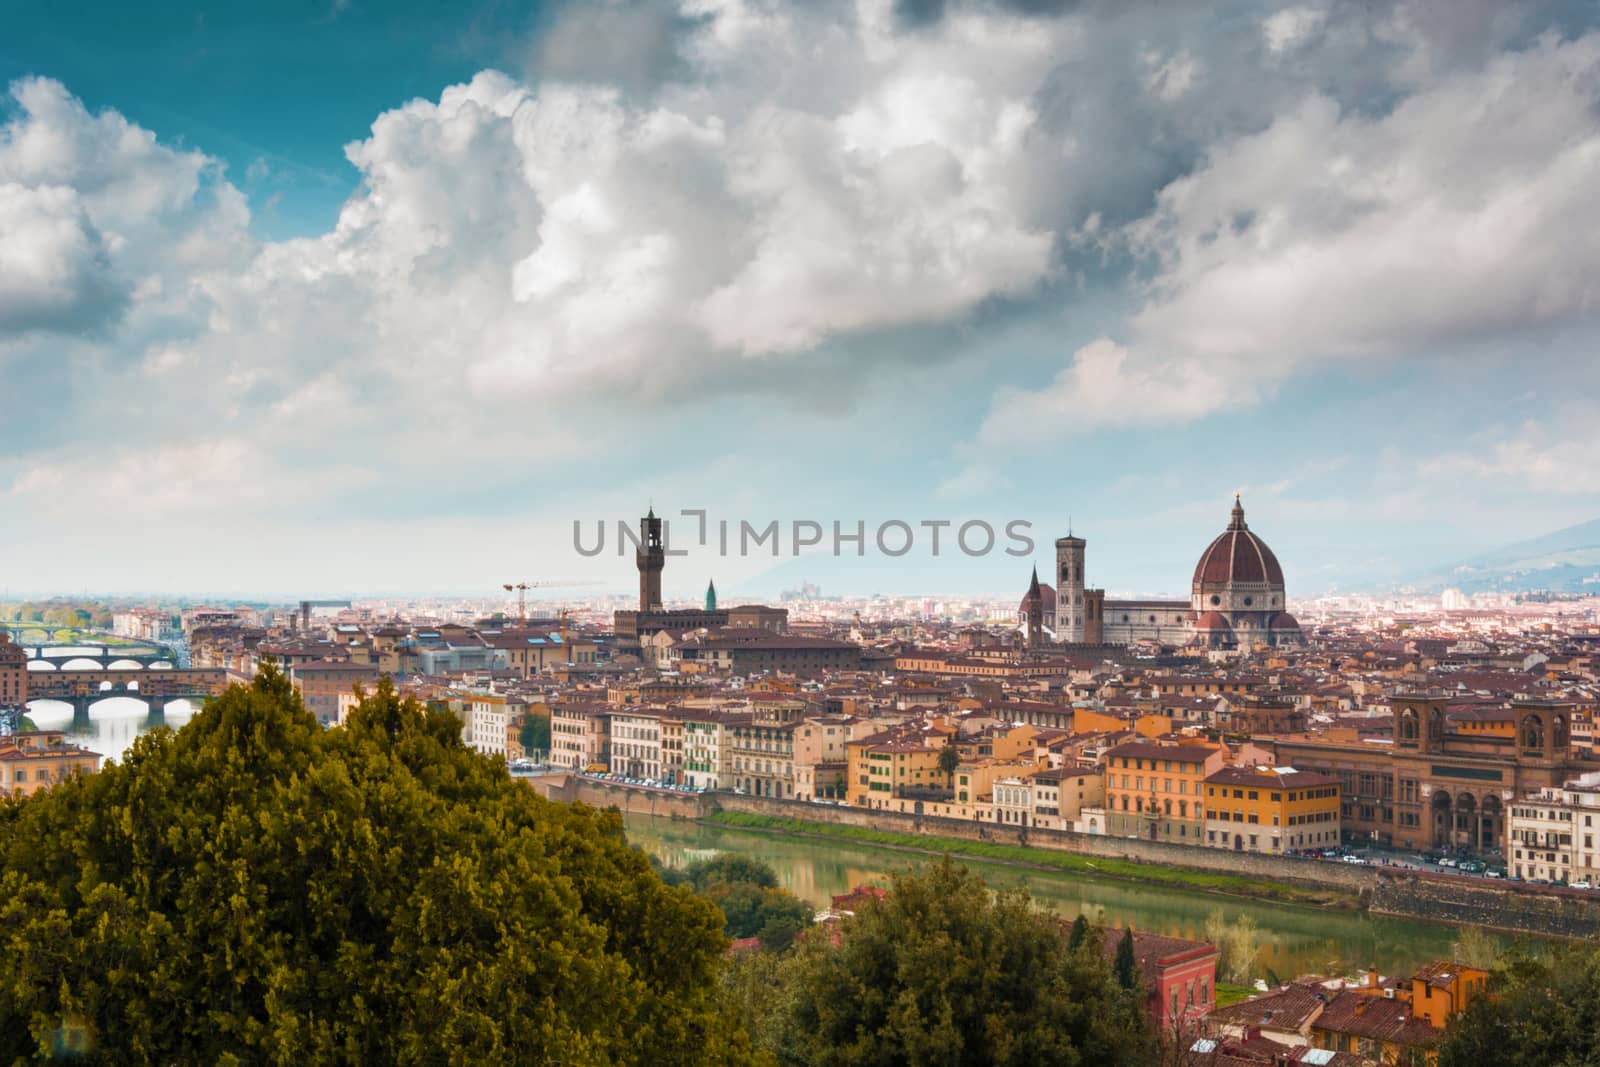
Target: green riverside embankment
<point>1045,859</point>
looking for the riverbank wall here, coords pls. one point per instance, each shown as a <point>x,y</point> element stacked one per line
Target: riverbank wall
<point>1543,911</point>
<point>1469,901</point>
<point>1347,877</point>
<point>631,800</point>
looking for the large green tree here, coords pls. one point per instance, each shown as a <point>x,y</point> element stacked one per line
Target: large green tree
<point>747,891</point>
<point>942,972</point>
<point>256,889</point>
<point>1540,1013</point>
<point>535,733</point>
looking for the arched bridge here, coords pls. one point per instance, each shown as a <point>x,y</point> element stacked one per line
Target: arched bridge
<point>58,656</point>
<point>84,689</point>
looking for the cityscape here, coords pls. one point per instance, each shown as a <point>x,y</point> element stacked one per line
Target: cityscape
<point>990,532</point>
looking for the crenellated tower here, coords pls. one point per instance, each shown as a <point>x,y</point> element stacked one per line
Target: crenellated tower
<point>652,559</point>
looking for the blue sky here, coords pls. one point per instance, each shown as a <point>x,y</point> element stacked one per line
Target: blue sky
<point>348,297</point>
<point>280,86</point>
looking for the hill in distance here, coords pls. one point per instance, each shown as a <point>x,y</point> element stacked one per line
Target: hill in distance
<point>1566,561</point>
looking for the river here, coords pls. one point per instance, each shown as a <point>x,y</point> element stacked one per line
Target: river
<point>1292,940</point>
<point>113,725</point>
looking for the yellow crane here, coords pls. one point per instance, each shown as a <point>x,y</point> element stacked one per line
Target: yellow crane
<point>521,589</point>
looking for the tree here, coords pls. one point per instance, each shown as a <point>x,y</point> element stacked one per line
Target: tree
<point>535,733</point>
<point>1126,967</point>
<point>732,869</point>
<point>1539,1013</point>
<point>943,972</point>
<point>1236,945</point>
<point>1080,931</point>
<point>254,888</point>
<point>752,904</point>
<point>949,760</point>
<point>1477,947</point>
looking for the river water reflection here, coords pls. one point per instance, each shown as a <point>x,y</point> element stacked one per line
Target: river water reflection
<point>113,725</point>
<point>1293,940</point>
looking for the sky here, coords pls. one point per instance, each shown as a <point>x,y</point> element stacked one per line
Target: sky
<point>317,299</point>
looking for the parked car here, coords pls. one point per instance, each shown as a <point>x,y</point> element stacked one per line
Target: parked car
<point>1581,884</point>
<point>1354,859</point>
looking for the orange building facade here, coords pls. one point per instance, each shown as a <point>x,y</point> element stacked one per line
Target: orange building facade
<point>1271,810</point>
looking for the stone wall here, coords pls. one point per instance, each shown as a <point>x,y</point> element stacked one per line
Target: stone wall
<point>1347,877</point>
<point>1547,912</point>
<point>633,800</point>
<point>1518,909</point>
<point>1407,894</point>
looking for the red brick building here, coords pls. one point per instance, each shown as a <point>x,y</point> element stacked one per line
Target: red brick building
<point>1180,979</point>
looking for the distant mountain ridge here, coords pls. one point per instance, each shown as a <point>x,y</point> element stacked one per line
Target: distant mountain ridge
<point>1566,561</point>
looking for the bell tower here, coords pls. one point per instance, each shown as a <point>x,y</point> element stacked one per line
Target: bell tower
<point>652,559</point>
<point>1069,589</point>
<point>1419,721</point>
<point>1035,605</point>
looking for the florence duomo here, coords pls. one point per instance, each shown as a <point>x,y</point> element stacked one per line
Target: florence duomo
<point>1237,601</point>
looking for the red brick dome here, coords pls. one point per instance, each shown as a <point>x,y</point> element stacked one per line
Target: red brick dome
<point>1047,598</point>
<point>1237,556</point>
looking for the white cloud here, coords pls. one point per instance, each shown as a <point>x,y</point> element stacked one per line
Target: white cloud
<point>1554,456</point>
<point>1105,386</point>
<point>1292,28</point>
<point>225,480</point>
<point>565,239</point>
<point>96,217</point>
<point>775,202</point>
<point>629,43</point>
<point>1170,78</point>
<point>55,266</point>
<point>1465,212</point>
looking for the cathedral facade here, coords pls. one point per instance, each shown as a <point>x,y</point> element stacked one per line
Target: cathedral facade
<point>1236,600</point>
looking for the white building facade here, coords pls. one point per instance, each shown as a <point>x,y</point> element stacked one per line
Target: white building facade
<point>1552,835</point>
<point>636,743</point>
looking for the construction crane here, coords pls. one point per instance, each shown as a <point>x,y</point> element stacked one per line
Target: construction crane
<point>522,599</point>
<point>521,589</point>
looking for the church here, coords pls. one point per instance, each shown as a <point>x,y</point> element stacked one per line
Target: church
<point>1236,601</point>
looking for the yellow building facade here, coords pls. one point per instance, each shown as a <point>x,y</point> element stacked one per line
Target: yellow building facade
<point>1271,810</point>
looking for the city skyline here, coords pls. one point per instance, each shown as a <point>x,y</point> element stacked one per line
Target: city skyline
<point>330,299</point>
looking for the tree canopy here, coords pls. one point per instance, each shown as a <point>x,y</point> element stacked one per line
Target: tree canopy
<point>1540,1013</point>
<point>747,892</point>
<point>257,889</point>
<point>941,972</point>
<point>1126,967</point>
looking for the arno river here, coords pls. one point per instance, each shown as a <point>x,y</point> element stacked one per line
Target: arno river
<point>114,722</point>
<point>1293,940</point>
